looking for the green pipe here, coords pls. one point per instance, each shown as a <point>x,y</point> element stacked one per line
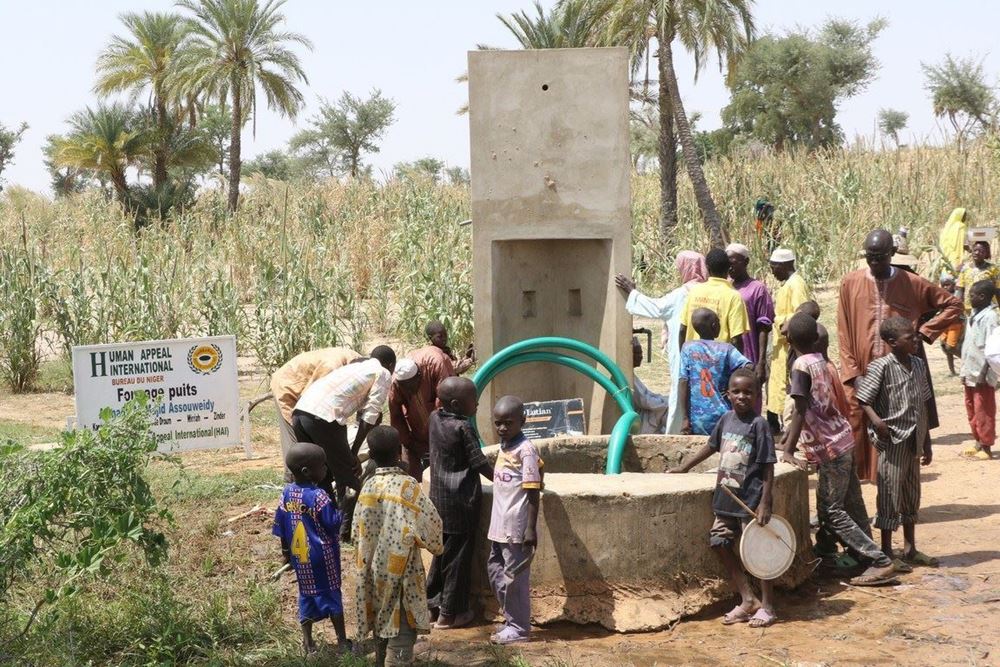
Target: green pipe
<point>617,386</point>
<point>555,341</point>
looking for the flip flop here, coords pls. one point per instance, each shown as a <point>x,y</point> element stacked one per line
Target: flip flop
<point>971,452</point>
<point>899,565</point>
<point>874,579</point>
<point>982,455</point>
<point>922,559</point>
<point>763,619</point>
<point>736,615</point>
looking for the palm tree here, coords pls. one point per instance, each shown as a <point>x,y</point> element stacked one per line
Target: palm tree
<point>232,47</point>
<point>701,26</point>
<point>145,61</point>
<point>105,141</point>
<point>570,24</point>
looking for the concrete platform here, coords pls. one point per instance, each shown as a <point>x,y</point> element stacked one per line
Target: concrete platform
<point>630,551</point>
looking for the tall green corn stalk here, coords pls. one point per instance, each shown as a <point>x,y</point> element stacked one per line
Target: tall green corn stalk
<point>23,293</point>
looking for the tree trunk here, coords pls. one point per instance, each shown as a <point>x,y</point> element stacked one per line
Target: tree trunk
<point>120,186</point>
<point>709,214</point>
<point>234,149</point>
<point>667,157</point>
<point>160,148</point>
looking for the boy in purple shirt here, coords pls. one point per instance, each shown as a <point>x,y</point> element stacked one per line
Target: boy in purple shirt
<point>308,524</point>
<point>825,435</point>
<point>517,484</point>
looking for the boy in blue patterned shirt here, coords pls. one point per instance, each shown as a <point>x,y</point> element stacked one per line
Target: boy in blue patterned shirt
<point>706,365</point>
<point>308,524</point>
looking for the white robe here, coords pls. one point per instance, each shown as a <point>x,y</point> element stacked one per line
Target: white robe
<point>668,308</point>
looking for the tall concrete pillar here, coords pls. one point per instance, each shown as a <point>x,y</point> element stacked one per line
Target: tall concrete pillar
<point>551,214</point>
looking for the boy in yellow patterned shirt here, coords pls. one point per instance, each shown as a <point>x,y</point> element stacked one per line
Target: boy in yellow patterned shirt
<point>393,521</point>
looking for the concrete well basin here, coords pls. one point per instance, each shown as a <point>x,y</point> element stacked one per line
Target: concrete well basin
<point>630,551</point>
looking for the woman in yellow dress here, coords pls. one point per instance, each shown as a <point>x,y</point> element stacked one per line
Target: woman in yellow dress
<point>952,241</point>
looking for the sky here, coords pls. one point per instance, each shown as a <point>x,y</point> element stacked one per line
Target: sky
<point>413,51</point>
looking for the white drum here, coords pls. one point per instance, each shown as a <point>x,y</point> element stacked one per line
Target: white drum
<point>768,551</point>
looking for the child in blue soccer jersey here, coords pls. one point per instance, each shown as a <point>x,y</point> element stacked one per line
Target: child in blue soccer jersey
<point>308,523</point>
<point>706,365</point>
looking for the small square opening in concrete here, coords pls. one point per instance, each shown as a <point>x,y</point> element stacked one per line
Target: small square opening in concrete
<point>528,304</point>
<point>575,303</point>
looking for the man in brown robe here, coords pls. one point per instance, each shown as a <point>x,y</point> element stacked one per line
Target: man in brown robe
<point>412,399</point>
<point>867,298</point>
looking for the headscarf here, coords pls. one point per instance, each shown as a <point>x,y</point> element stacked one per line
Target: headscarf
<point>691,267</point>
<point>952,239</point>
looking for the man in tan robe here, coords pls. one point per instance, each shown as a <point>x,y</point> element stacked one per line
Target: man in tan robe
<point>867,298</point>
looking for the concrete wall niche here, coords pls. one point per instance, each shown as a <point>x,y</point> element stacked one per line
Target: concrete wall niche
<point>551,213</point>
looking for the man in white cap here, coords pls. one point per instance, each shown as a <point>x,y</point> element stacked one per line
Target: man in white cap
<point>792,293</point>
<point>412,399</point>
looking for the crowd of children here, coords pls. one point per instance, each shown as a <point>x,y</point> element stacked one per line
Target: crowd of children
<point>394,520</point>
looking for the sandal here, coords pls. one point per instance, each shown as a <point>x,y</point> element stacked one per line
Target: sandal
<point>763,619</point>
<point>736,615</point>
<point>899,565</point>
<point>983,455</point>
<point>972,452</point>
<point>921,559</point>
<point>871,577</point>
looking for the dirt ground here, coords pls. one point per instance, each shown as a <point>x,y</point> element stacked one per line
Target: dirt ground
<point>938,616</point>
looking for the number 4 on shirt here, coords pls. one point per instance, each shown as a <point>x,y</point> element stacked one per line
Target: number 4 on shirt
<point>300,543</point>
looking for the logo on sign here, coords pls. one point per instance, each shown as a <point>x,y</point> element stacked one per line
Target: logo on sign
<point>205,359</point>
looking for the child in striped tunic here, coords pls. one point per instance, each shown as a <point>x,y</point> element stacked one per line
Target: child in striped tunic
<point>894,394</point>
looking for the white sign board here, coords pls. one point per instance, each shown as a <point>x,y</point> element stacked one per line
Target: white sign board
<point>194,380</point>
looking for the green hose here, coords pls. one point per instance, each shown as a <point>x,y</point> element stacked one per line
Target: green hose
<point>617,385</point>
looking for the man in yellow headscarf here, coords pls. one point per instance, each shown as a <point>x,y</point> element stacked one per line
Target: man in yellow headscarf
<point>952,241</point>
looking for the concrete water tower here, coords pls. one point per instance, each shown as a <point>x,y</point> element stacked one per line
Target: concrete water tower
<point>551,214</point>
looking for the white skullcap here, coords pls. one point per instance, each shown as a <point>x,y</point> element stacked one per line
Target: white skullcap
<point>782,255</point>
<point>738,249</point>
<point>405,369</point>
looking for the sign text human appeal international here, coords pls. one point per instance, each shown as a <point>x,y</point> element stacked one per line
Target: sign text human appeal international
<point>192,381</point>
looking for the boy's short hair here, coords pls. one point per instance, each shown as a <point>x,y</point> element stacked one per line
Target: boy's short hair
<point>702,319</point>
<point>385,355</point>
<point>383,445</point>
<point>745,372</point>
<point>509,404</point>
<point>454,388</point>
<point>984,287</point>
<point>433,327</point>
<point>810,308</point>
<point>717,262</point>
<point>302,454</point>
<point>894,327</point>
<point>803,330</point>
